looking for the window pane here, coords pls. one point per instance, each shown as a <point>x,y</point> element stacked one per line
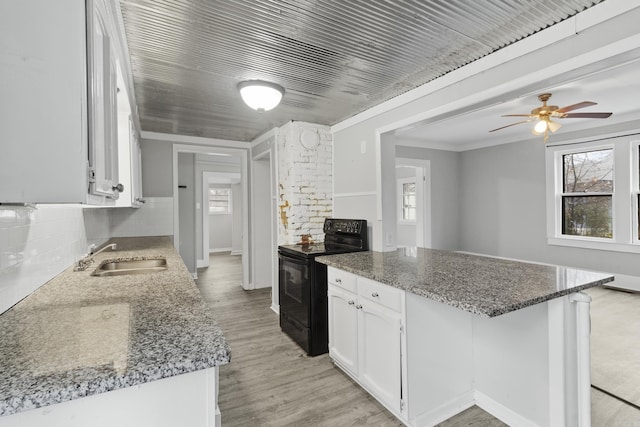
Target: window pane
<point>587,216</point>
<point>409,213</point>
<point>409,201</point>
<point>219,200</point>
<point>591,171</point>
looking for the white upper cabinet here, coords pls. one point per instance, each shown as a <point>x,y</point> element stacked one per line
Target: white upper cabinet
<point>58,104</point>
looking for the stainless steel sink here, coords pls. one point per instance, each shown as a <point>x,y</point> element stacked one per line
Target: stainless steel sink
<point>130,266</point>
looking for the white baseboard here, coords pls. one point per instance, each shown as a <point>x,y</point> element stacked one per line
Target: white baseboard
<point>625,283</point>
<point>501,412</point>
<point>214,250</point>
<point>444,411</point>
<point>236,252</point>
<point>201,263</point>
<point>275,309</point>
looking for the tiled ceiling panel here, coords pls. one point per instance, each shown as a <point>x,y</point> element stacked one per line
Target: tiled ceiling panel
<point>334,58</point>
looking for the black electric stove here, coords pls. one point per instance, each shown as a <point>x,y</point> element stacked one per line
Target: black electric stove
<point>303,282</point>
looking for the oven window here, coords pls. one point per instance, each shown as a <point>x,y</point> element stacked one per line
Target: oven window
<point>295,275</point>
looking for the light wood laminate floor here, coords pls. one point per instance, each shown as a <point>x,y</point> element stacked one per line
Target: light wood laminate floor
<point>271,382</point>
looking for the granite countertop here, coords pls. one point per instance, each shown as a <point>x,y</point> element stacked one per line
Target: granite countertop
<point>80,335</point>
<point>482,285</point>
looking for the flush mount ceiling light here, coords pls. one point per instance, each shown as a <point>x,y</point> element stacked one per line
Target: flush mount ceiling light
<point>260,95</point>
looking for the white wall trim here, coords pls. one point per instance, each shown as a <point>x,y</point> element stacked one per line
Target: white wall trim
<point>271,133</point>
<point>356,194</point>
<point>195,140</point>
<point>625,283</point>
<point>216,250</point>
<point>565,29</point>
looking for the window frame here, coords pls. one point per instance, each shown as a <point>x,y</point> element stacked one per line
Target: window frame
<point>624,214</point>
<point>400,197</point>
<point>635,190</point>
<point>229,210</point>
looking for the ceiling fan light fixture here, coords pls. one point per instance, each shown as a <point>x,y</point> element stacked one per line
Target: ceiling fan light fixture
<point>260,95</point>
<point>540,127</point>
<point>553,126</point>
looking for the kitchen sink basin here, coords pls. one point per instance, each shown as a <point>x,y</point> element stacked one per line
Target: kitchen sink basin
<point>130,266</point>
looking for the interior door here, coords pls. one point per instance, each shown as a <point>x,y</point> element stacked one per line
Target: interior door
<point>343,329</point>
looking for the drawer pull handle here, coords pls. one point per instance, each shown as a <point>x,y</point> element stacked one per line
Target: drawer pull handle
<point>351,302</point>
<point>338,280</point>
<point>358,306</point>
<point>375,295</point>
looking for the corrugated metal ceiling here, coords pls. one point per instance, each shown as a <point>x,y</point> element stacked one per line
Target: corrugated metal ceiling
<point>334,58</point>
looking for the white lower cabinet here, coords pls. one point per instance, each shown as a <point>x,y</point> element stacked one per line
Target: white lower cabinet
<point>343,329</point>
<point>366,336</point>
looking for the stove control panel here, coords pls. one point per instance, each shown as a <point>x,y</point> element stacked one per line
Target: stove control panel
<point>350,226</point>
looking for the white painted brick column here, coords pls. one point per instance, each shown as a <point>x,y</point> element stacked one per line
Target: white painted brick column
<point>305,181</point>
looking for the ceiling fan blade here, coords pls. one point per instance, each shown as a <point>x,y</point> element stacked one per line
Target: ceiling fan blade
<point>586,115</point>
<point>516,115</point>
<point>575,106</point>
<point>512,124</point>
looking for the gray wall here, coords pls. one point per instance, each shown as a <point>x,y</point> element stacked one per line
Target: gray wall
<point>503,200</point>
<point>445,194</point>
<point>157,167</point>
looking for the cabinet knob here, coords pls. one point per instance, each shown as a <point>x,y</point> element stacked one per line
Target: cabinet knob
<point>338,280</point>
<point>358,306</point>
<point>375,295</point>
<point>119,188</point>
<point>351,302</point>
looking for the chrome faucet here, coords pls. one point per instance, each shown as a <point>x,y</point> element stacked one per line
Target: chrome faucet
<point>83,263</point>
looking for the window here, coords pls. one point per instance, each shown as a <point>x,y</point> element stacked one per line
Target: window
<point>407,202</point>
<point>593,194</point>
<point>636,186</point>
<point>219,200</point>
<point>587,193</point>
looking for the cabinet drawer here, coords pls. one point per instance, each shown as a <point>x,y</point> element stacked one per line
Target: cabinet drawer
<point>342,279</point>
<point>385,295</point>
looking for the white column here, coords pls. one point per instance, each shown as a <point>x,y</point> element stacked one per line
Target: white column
<point>583,332</point>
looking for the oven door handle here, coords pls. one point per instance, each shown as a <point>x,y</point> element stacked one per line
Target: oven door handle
<point>293,260</point>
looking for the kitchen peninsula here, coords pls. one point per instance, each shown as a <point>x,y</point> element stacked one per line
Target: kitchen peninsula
<point>509,336</point>
<point>128,350</point>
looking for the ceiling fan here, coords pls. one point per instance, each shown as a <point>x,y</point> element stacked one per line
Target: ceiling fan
<point>545,113</point>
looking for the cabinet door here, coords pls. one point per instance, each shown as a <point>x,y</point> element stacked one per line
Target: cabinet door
<point>136,168</point>
<point>379,357</point>
<point>343,329</point>
<point>43,143</point>
<point>103,148</point>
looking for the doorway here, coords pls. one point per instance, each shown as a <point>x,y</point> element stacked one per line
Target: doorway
<point>263,224</point>
<point>413,201</point>
<point>187,213</point>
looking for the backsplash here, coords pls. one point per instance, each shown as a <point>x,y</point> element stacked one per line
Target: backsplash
<point>154,218</point>
<point>38,243</point>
